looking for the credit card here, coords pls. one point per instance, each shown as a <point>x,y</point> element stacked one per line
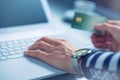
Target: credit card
<point>87,22</point>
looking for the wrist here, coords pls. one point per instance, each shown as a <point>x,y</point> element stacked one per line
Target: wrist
<point>79,65</point>
<point>76,59</point>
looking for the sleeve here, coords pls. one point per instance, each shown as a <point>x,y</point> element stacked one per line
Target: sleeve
<point>101,65</point>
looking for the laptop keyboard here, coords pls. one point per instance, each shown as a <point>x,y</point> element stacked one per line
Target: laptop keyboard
<point>14,48</point>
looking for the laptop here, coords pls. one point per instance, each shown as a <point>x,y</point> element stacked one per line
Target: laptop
<point>21,23</point>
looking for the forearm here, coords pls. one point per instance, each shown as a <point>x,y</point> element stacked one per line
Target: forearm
<point>101,65</point>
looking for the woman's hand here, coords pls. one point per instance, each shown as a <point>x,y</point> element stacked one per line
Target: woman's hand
<point>56,52</point>
<point>111,40</point>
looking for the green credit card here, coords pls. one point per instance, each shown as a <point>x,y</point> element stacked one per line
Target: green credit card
<point>87,22</point>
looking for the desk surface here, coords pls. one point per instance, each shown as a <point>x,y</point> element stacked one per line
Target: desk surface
<point>65,77</point>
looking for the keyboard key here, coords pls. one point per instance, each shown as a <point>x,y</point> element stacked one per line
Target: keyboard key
<point>9,42</point>
<point>24,48</point>
<point>3,50</point>
<point>3,58</point>
<point>22,42</point>
<point>17,45</point>
<point>14,48</point>
<point>1,55</point>
<point>12,53</point>
<point>10,46</point>
<point>5,54</point>
<point>2,43</point>
<point>15,42</point>
<point>10,49</point>
<point>4,47</point>
<point>15,56</point>
<point>18,52</point>
<point>17,49</point>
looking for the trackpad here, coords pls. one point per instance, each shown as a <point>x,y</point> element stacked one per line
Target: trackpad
<point>26,68</point>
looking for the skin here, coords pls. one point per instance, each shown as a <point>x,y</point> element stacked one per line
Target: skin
<point>111,39</point>
<point>57,52</point>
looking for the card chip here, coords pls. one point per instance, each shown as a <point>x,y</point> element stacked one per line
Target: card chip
<point>78,19</point>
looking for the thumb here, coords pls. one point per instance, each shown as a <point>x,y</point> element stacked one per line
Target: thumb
<point>106,27</point>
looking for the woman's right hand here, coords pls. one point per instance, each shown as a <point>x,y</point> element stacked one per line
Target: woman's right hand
<point>111,39</point>
<point>54,51</point>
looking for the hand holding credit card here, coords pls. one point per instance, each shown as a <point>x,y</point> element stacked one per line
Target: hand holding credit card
<point>87,22</point>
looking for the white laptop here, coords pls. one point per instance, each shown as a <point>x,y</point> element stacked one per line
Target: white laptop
<point>21,23</point>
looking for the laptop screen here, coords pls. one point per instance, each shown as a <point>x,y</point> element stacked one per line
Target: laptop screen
<point>21,12</point>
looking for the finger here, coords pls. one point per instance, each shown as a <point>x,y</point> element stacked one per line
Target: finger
<point>109,45</point>
<point>102,44</point>
<point>50,41</point>
<point>48,48</point>
<point>98,45</point>
<point>97,38</point>
<point>37,54</point>
<point>43,46</point>
<point>114,22</point>
<point>108,37</point>
<point>106,27</point>
<point>118,47</point>
<point>101,39</point>
<point>114,46</point>
<point>94,36</point>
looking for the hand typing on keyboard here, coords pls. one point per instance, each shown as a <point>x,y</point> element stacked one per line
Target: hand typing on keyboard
<point>52,50</point>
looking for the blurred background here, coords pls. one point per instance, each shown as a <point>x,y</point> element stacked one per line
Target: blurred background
<point>64,9</point>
